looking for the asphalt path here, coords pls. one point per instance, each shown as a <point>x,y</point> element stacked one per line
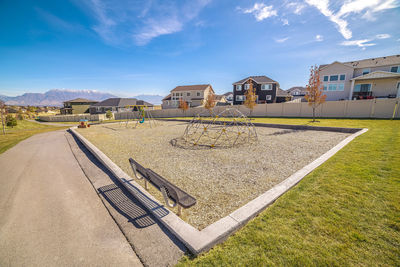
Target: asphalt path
<point>49,212</point>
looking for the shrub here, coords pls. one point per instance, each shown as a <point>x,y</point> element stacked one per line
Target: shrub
<point>11,121</point>
<point>108,114</point>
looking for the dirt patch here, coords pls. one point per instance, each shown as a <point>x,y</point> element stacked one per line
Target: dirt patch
<point>221,180</point>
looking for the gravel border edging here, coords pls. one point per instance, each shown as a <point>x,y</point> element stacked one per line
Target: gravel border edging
<point>289,126</point>
<point>200,241</point>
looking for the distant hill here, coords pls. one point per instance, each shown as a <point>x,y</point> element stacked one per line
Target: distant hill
<point>54,97</point>
<point>153,99</point>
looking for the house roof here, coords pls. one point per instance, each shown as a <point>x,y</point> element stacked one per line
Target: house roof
<point>168,97</point>
<point>257,79</point>
<point>197,87</point>
<point>122,102</point>
<point>81,100</point>
<point>377,75</point>
<point>219,97</point>
<point>228,93</point>
<point>301,88</point>
<point>371,62</point>
<point>281,92</point>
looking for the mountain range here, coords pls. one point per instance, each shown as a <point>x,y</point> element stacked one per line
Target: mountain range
<point>56,97</point>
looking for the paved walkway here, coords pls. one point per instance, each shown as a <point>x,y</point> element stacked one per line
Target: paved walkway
<point>55,124</point>
<point>153,243</point>
<point>50,215</point>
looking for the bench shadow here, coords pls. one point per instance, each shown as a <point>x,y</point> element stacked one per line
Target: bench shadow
<point>126,204</point>
<point>288,131</point>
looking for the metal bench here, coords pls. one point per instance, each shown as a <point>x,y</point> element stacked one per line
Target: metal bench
<point>169,190</point>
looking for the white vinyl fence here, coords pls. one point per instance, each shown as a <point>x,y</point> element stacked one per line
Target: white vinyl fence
<point>374,108</point>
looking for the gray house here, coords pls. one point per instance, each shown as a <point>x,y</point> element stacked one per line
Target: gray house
<point>119,105</point>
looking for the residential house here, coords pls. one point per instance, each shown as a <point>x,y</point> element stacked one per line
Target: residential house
<point>77,106</point>
<point>119,105</point>
<point>282,96</point>
<point>297,92</point>
<point>220,100</point>
<point>362,79</point>
<point>229,97</point>
<point>194,95</point>
<point>166,102</point>
<point>266,89</point>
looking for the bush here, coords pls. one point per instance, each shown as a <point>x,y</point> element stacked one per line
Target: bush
<point>11,121</point>
<point>108,114</point>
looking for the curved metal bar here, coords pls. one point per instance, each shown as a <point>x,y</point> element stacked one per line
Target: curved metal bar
<point>136,172</point>
<point>166,198</point>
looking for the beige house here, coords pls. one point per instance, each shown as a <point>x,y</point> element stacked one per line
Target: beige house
<point>362,79</point>
<point>194,95</point>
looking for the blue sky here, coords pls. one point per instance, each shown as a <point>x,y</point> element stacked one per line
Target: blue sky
<point>149,47</point>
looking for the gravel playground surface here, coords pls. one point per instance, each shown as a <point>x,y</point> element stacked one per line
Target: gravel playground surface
<point>221,180</point>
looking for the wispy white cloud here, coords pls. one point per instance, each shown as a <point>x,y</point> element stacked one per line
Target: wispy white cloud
<point>296,7</point>
<point>282,40</point>
<point>319,38</point>
<point>118,23</point>
<point>360,43</point>
<point>260,11</point>
<point>56,21</point>
<point>155,28</point>
<point>285,22</point>
<point>383,36</point>
<point>370,7</point>
<point>341,24</point>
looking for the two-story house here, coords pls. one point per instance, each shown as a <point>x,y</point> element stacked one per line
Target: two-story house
<point>77,106</point>
<point>119,105</point>
<point>194,95</point>
<point>265,89</point>
<point>362,79</point>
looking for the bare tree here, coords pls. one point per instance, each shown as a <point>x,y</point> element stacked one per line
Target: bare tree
<point>251,98</point>
<point>183,105</point>
<point>3,112</point>
<point>210,102</point>
<point>314,94</point>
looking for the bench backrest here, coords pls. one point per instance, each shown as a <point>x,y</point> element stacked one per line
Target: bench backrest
<point>173,192</point>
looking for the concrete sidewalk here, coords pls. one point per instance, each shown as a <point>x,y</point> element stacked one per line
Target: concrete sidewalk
<point>49,213</point>
<point>153,243</point>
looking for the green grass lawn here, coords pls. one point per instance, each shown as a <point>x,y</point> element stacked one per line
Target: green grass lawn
<point>346,212</point>
<point>22,131</point>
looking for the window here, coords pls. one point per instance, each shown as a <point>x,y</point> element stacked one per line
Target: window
<point>198,93</point>
<point>395,69</point>
<point>366,71</point>
<point>238,87</point>
<point>342,77</point>
<point>334,78</point>
<point>188,94</point>
<point>326,78</point>
<point>266,87</point>
<point>240,97</point>
<point>332,87</point>
<point>268,97</point>
<point>246,86</point>
<point>362,87</point>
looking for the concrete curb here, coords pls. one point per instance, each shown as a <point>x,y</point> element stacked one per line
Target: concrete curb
<point>200,241</point>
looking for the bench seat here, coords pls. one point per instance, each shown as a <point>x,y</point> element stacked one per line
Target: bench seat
<point>175,193</point>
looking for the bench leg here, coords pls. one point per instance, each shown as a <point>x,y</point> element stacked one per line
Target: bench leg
<point>179,210</point>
